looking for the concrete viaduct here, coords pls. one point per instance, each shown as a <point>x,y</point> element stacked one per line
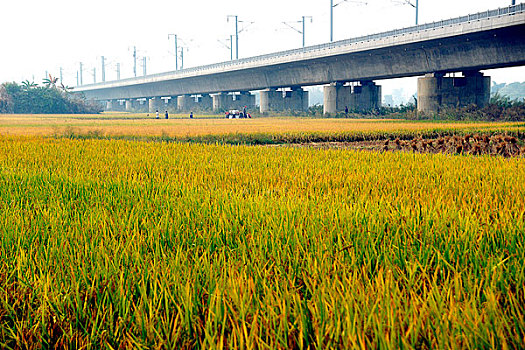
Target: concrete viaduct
<point>347,68</point>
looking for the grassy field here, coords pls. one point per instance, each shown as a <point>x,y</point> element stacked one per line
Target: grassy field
<point>132,244</point>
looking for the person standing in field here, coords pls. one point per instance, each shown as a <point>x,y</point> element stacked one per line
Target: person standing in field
<point>166,114</point>
<point>191,115</point>
<point>157,114</point>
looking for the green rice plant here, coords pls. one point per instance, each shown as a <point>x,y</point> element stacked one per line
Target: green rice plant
<point>127,244</point>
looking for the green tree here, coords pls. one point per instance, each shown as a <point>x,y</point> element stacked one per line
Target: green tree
<point>50,82</point>
<point>6,103</point>
<point>33,99</point>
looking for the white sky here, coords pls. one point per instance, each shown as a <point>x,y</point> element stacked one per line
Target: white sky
<point>39,36</point>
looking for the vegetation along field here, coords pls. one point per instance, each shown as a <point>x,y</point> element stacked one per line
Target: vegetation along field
<point>165,234</point>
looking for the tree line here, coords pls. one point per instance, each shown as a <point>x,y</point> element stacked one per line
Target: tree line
<point>48,98</point>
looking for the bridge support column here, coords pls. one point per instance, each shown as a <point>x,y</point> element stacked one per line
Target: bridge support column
<point>109,105</point>
<point>204,102</point>
<point>365,97</point>
<point>142,105</point>
<point>271,100</point>
<point>296,100</point>
<point>435,91</point>
<point>119,105</point>
<point>336,98</point>
<point>172,102</point>
<point>244,99</point>
<point>185,103</point>
<point>156,104</point>
<point>130,104</point>
<point>220,101</point>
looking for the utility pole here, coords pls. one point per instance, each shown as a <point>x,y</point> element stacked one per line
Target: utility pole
<point>303,21</point>
<point>62,81</point>
<point>118,71</point>
<point>94,75</point>
<point>135,61</point>
<point>181,57</point>
<point>236,34</point>
<point>416,6</point>
<point>176,51</point>
<point>77,78</point>
<point>103,69</point>
<point>417,12</point>
<point>81,83</point>
<point>304,30</point>
<point>332,5</point>
<point>331,20</point>
<point>144,65</point>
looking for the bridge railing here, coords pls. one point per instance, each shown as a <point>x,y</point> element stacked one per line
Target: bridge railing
<point>510,10</point>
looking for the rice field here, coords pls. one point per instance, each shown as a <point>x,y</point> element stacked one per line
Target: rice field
<point>131,244</point>
<point>115,125</point>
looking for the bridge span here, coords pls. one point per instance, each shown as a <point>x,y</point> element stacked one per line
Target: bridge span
<point>348,68</point>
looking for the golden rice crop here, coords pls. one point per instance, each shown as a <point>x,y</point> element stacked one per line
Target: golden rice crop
<point>139,125</point>
<point>109,244</point>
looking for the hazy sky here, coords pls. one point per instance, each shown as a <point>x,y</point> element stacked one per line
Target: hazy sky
<point>40,36</point>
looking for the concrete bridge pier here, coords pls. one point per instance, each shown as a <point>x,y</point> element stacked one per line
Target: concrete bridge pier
<point>172,102</point>
<point>296,100</point>
<point>131,104</point>
<point>244,99</point>
<point>204,102</point>
<point>336,98</point>
<point>115,105</point>
<point>220,101</point>
<point>185,103</point>
<point>118,105</point>
<point>271,100</point>
<point>435,91</point>
<point>155,104</point>
<point>365,97</point>
<point>142,105</point>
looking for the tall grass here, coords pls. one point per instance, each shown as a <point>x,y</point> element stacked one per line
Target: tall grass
<point>109,244</point>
